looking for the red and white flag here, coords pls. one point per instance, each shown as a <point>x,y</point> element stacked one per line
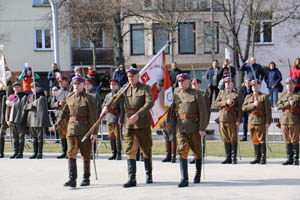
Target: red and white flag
<point>156,75</point>
<point>5,73</point>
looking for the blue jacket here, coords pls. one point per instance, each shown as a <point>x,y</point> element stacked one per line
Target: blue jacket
<point>121,76</point>
<point>273,78</point>
<point>210,74</point>
<point>258,70</point>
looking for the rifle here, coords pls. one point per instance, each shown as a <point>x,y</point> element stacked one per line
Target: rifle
<point>96,124</point>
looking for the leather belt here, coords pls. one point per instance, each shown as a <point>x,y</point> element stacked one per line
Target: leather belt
<point>258,113</point>
<point>293,110</point>
<point>186,116</point>
<point>80,118</point>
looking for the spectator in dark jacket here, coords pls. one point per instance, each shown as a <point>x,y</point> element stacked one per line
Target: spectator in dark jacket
<point>258,70</point>
<point>225,72</point>
<point>94,76</point>
<point>295,74</point>
<point>272,78</point>
<point>244,91</point>
<point>120,75</point>
<point>52,76</point>
<point>173,74</point>
<point>213,77</point>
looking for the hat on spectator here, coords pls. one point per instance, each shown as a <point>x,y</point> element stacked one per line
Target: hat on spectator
<point>62,78</point>
<point>114,81</point>
<point>288,80</point>
<point>34,84</point>
<point>78,79</point>
<point>183,76</point>
<point>133,65</point>
<point>16,84</point>
<point>254,82</point>
<point>133,70</point>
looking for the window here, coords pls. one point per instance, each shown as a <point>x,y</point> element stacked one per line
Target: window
<point>160,38</point>
<point>208,38</point>
<point>81,42</point>
<point>149,4</point>
<point>263,32</point>
<point>41,2</point>
<point>137,39</point>
<point>43,40</point>
<point>173,5</point>
<point>186,35</point>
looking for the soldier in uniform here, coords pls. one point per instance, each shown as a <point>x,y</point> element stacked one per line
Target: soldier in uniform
<point>17,119</point>
<point>37,119</point>
<point>2,121</point>
<point>138,101</point>
<point>114,121</point>
<point>189,106</point>
<point>57,102</point>
<point>230,117</point>
<point>289,103</point>
<point>258,107</point>
<point>80,111</point>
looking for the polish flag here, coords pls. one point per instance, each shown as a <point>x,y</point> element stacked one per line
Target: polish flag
<point>5,73</point>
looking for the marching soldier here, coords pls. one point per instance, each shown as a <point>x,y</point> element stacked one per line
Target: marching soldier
<point>17,119</point>
<point>37,119</point>
<point>80,112</point>
<point>230,117</point>
<point>289,103</point>
<point>3,123</point>
<point>138,101</point>
<point>57,102</point>
<point>258,106</point>
<point>114,120</point>
<point>189,106</point>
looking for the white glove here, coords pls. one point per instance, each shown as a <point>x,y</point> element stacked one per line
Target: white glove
<point>9,103</point>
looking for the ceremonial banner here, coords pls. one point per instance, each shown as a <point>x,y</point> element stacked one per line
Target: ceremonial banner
<point>156,75</point>
<point>4,70</point>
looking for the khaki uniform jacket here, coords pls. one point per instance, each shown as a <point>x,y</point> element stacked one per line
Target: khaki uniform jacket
<point>137,100</point>
<point>80,111</point>
<point>207,104</point>
<point>283,104</point>
<point>264,106</point>
<point>189,102</point>
<point>227,115</point>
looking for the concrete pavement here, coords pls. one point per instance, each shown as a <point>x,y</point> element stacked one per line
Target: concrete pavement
<point>43,180</point>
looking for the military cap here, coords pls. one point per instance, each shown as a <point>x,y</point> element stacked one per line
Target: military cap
<point>78,78</point>
<point>253,82</point>
<point>133,65</point>
<point>228,79</point>
<point>183,76</point>
<point>16,84</point>
<point>87,79</point>
<point>196,81</point>
<point>114,81</point>
<point>36,84</point>
<point>133,70</point>
<point>290,80</point>
<point>62,78</point>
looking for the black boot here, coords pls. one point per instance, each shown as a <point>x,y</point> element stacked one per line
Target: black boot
<point>21,149</point>
<point>138,154</point>
<point>131,174</point>
<point>2,144</point>
<point>173,149</point>
<point>257,154</point>
<point>168,152</point>
<point>296,154</point>
<point>228,153</point>
<point>289,152</point>
<point>113,150</point>
<point>119,150</point>
<point>197,177</point>
<point>35,149</point>
<point>233,152</point>
<point>142,157</point>
<point>16,149</point>
<point>148,169</point>
<point>184,173</point>
<point>64,147</point>
<point>193,161</point>
<point>72,173</point>
<point>263,150</point>
<point>40,150</point>
<point>86,173</point>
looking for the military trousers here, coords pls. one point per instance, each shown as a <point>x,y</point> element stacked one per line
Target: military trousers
<point>37,133</point>
<point>134,138</point>
<point>187,141</point>
<point>290,133</point>
<point>114,131</point>
<point>18,133</point>
<point>170,135</point>
<point>228,131</point>
<point>257,132</point>
<point>75,144</point>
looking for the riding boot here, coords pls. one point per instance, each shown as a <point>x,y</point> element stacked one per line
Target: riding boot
<point>184,173</point>
<point>142,156</point>
<point>296,153</point>
<point>228,153</point>
<point>233,152</point>
<point>119,150</point>
<point>148,169</point>
<point>64,147</point>
<point>257,154</point>
<point>21,149</point>
<point>16,149</point>
<point>2,143</point>
<point>113,149</point>
<point>289,152</point>
<point>138,154</point>
<point>131,174</point>
<point>72,173</point>
<point>40,150</point>
<point>168,152</point>
<point>35,149</point>
<point>263,150</point>
<point>197,177</point>
<point>86,173</point>
<point>173,149</point>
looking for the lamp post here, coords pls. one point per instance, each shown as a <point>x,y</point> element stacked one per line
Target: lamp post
<point>54,8</point>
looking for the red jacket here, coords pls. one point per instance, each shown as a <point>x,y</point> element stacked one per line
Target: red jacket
<point>295,74</point>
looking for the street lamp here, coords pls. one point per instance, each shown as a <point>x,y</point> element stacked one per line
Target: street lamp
<point>54,8</point>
